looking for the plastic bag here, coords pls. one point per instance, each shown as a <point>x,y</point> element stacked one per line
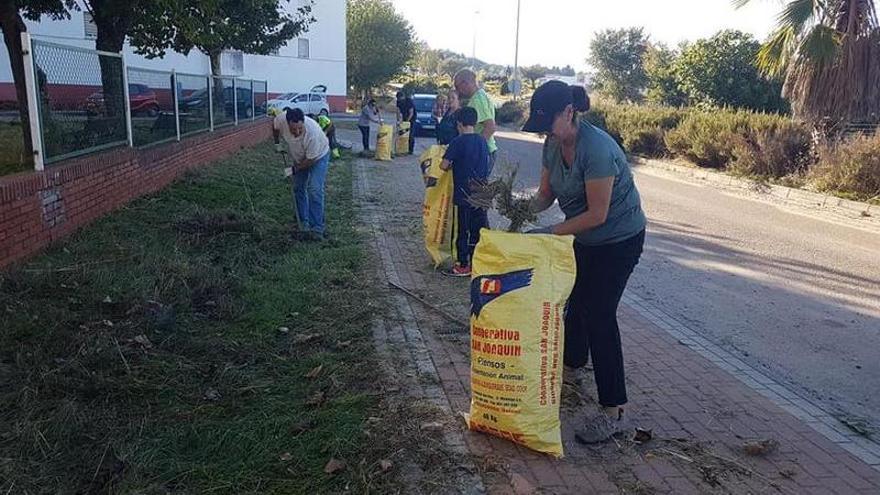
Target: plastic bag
<point>437,207</point>
<point>383,142</point>
<point>403,130</point>
<point>519,289</point>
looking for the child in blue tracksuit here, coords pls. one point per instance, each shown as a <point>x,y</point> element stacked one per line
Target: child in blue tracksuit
<point>468,157</point>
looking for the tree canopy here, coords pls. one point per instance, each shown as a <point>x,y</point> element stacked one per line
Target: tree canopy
<point>660,71</point>
<point>722,71</point>
<point>212,26</point>
<point>616,54</point>
<point>380,43</point>
<point>829,53</point>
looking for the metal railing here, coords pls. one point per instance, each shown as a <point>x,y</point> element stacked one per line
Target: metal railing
<point>82,101</point>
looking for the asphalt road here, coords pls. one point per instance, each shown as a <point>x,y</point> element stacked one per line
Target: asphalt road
<point>793,295</point>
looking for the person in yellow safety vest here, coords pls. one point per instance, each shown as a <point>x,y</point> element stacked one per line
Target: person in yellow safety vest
<point>329,131</point>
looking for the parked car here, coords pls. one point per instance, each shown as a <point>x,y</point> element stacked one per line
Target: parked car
<point>243,102</point>
<point>315,101</point>
<point>141,98</point>
<point>426,123</point>
<point>195,102</point>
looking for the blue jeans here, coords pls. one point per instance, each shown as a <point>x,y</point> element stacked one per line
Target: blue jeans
<point>308,193</point>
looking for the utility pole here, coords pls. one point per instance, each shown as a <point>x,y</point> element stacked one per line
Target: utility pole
<point>516,51</point>
<point>474,41</point>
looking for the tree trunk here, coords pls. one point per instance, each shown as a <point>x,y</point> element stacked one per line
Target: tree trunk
<point>111,39</point>
<point>113,19</point>
<point>13,25</point>
<point>217,91</point>
<point>215,62</point>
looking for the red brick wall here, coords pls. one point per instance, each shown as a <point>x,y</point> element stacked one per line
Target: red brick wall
<point>38,208</point>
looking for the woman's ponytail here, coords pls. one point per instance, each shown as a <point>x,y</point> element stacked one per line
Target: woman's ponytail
<point>579,99</point>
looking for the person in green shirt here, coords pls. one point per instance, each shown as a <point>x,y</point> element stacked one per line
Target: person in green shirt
<point>471,95</point>
<point>329,131</point>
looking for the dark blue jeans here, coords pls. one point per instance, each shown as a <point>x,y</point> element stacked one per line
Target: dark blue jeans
<point>591,316</point>
<point>468,222</point>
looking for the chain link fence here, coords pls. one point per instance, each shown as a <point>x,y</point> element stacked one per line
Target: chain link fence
<point>80,99</point>
<point>151,103</point>
<point>84,99</point>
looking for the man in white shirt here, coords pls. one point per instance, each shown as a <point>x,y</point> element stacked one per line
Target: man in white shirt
<point>310,150</point>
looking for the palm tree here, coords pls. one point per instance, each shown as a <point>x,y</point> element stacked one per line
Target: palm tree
<point>829,53</point>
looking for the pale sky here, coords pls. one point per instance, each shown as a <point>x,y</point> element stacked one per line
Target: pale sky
<point>558,32</point>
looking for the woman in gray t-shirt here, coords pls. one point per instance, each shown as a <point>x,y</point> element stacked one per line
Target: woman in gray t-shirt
<point>586,171</point>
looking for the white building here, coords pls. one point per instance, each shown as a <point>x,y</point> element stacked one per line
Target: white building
<point>317,57</point>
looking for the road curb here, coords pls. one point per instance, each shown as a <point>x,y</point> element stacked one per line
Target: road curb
<point>794,196</point>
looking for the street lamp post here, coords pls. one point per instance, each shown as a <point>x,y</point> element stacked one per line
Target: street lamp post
<point>516,51</point>
<point>474,41</point>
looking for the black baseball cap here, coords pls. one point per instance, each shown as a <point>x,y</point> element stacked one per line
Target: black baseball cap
<point>548,100</point>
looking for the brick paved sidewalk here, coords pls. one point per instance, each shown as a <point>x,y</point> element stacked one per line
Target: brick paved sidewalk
<point>701,403</point>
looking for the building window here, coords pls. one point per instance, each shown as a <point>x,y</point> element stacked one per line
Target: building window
<point>89,27</point>
<point>302,48</point>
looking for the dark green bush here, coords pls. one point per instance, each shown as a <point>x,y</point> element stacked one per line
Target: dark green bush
<point>709,137</point>
<point>596,116</point>
<point>642,129</point>
<point>776,151</point>
<point>511,112</point>
<point>851,168</point>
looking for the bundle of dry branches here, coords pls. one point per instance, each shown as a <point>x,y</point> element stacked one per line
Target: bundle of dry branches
<point>500,194</point>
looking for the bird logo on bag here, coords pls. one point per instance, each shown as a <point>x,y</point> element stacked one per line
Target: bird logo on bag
<point>487,288</point>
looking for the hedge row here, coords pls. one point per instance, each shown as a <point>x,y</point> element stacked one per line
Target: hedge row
<point>763,146</point>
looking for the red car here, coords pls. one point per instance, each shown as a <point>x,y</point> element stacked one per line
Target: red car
<point>141,98</point>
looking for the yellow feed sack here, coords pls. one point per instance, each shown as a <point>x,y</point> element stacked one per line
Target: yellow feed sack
<point>437,208</point>
<point>383,142</point>
<point>403,130</point>
<point>519,288</point>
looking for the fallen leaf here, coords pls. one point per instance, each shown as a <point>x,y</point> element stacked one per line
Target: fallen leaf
<point>143,341</point>
<point>386,465</point>
<point>316,400</point>
<point>107,300</point>
<point>286,456</point>
<point>431,426</point>
<point>643,436</point>
<point>333,466</point>
<point>315,371</point>
<point>521,486</point>
<point>212,394</point>
<point>283,330</point>
<point>760,447</point>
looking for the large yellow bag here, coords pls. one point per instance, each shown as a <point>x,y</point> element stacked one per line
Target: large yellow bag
<point>383,142</point>
<point>403,130</point>
<point>437,207</point>
<point>519,288</point>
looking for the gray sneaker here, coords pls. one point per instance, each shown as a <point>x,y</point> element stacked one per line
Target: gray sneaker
<point>601,428</point>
